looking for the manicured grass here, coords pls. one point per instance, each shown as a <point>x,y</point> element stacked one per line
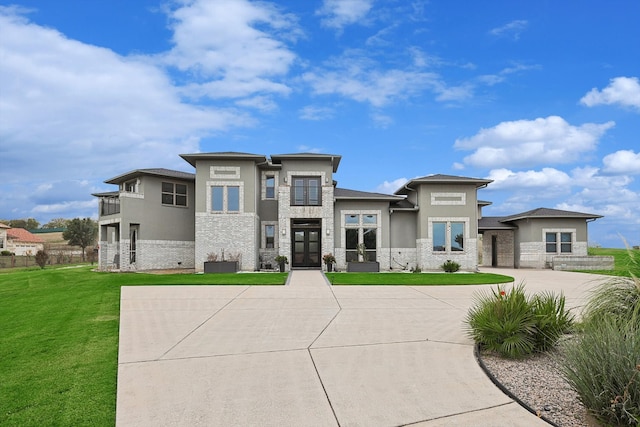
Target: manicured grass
<point>59,341</point>
<point>422,279</point>
<point>622,261</point>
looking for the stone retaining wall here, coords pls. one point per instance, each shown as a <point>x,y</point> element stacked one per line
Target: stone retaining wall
<point>583,263</point>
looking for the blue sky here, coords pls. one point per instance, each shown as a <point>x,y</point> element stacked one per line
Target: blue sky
<point>542,97</point>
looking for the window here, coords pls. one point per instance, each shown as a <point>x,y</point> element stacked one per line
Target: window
<point>233,199</point>
<point>269,234</point>
<point>174,194</point>
<point>565,242</point>
<point>225,198</point>
<point>361,237</point>
<point>270,187</point>
<point>563,238</point>
<point>306,191</point>
<point>448,236</point>
<point>439,236</point>
<point>217,198</point>
<point>457,236</point>
<point>552,243</point>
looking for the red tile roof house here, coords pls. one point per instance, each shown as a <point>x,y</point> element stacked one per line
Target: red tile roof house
<point>21,242</point>
<point>254,207</point>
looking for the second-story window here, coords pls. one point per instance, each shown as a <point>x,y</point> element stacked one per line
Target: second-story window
<point>270,187</point>
<point>306,191</point>
<point>225,198</point>
<point>174,194</point>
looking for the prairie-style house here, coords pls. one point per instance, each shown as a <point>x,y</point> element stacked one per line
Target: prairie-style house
<point>251,208</point>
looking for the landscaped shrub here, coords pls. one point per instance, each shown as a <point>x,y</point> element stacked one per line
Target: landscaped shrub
<point>551,318</point>
<point>41,258</point>
<point>512,325</point>
<point>450,266</point>
<point>602,363</point>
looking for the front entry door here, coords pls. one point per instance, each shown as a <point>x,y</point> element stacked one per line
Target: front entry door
<point>306,245</point>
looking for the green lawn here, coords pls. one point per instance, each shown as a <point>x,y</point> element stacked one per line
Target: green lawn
<point>59,340</point>
<point>623,264</point>
<point>422,279</point>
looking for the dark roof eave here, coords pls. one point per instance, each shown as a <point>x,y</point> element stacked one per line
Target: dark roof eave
<point>230,155</point>
<point>160,172</point>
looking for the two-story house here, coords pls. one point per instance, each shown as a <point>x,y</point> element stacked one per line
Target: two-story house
<point>251,208</point>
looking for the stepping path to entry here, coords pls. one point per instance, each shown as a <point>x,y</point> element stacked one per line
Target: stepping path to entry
<point>310,354</point>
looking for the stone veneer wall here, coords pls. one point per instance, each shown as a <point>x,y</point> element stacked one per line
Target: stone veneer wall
<point>159,255</point>
<point>106,255</point>
<point>505,241</point>
<point>429,260</point>
<point>231,233</point>
<point>533,254</point>
<point>286,212</point>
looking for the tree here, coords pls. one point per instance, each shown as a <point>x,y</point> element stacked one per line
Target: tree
<point>57,223</point>
<point>28,224</point>
<point>81,232</point>
<point>41,258</point>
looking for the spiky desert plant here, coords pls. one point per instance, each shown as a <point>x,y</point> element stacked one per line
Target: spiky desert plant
<point>502,321</point>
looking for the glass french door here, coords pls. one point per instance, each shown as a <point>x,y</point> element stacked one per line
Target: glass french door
<point>306,246</point>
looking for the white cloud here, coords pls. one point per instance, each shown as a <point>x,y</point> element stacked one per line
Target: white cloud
<point>311,112</point>
<point>512,29</point>
<point>390,187</point>
<point>553,181</point>
<point>548,140</point>
<point>340,13</point>
<point>622,162</point>
<point>624,91</point>
<point>233,48</point>
<point>73,110</point>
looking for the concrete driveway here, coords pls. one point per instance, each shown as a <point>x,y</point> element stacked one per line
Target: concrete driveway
<point>309,354</point>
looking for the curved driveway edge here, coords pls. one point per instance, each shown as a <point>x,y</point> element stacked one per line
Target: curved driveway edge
<point>308,354</point>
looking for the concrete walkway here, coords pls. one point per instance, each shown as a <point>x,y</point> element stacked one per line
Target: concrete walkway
<point>309,354</point>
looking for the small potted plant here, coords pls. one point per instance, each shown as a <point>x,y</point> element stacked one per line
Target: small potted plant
<point>281,260</point>
<point>329,260</point>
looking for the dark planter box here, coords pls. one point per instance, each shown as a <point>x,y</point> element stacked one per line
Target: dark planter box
<point>363,267</point>
<point>221,267</point>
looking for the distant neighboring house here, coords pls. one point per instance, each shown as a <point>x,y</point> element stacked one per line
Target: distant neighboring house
<point>3,236</point>
<point>21,242</point>
<point>253,207</point>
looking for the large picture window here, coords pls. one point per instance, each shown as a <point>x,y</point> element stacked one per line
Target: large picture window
<point>174,194</point>
<point>306,191</point>
<point>361,237</point>
<point>448,236</point>
<point>225,198</point>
